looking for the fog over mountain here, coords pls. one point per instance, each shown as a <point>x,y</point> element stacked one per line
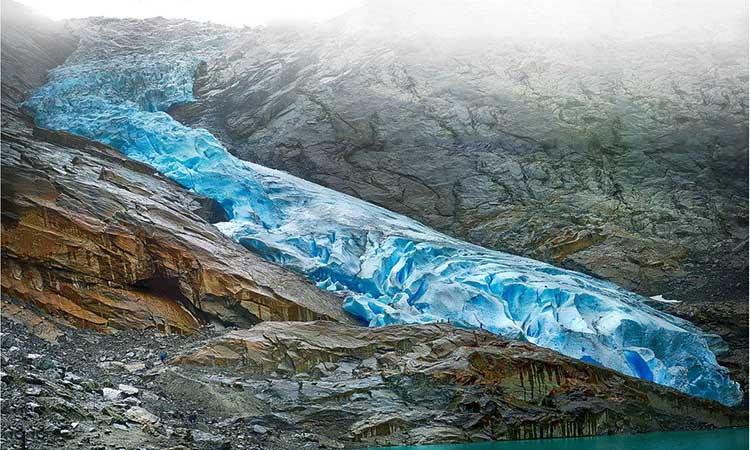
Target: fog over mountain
<point>684,21</point>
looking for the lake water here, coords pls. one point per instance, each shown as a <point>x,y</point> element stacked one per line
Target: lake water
<point>727,439</point>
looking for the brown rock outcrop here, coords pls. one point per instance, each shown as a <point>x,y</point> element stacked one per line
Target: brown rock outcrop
<point>108,243</point>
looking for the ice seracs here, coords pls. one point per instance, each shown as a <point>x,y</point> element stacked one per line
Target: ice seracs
<point>389,268</point>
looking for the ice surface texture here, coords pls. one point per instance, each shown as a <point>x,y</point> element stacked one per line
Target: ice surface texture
<point>389,268</point>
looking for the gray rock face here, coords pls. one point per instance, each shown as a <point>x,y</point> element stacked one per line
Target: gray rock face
<point>315,385</point>
<point>423,384</point>
<point>627,160</point>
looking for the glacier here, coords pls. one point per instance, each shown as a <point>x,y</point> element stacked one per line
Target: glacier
<point>387,268</point>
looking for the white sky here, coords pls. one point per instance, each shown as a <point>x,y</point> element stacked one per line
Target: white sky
<point>719,20</point>
<point>228,12</point>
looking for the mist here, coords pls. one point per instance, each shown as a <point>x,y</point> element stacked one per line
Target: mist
<point>578,19</point>
<point>686,21</point>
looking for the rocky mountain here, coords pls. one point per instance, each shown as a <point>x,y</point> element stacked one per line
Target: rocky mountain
<point>622,158</point>
<point>389,268</point>
<point>102,254</point>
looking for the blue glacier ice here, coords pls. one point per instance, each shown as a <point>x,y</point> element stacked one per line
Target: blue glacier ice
<point>389,268</point>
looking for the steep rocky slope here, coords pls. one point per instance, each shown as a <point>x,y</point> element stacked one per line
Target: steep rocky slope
<point>624,159</point>
<point>92,390</point>
<point>294,385</point>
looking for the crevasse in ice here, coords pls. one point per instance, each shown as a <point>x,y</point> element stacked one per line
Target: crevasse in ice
<point>390,268</point>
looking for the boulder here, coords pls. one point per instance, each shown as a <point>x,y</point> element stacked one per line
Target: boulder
<point>111,394</point>
<point>142,416</point>
<point>128,390</point>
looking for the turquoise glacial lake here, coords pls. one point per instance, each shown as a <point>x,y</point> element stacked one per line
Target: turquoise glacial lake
<point>727,439</point>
